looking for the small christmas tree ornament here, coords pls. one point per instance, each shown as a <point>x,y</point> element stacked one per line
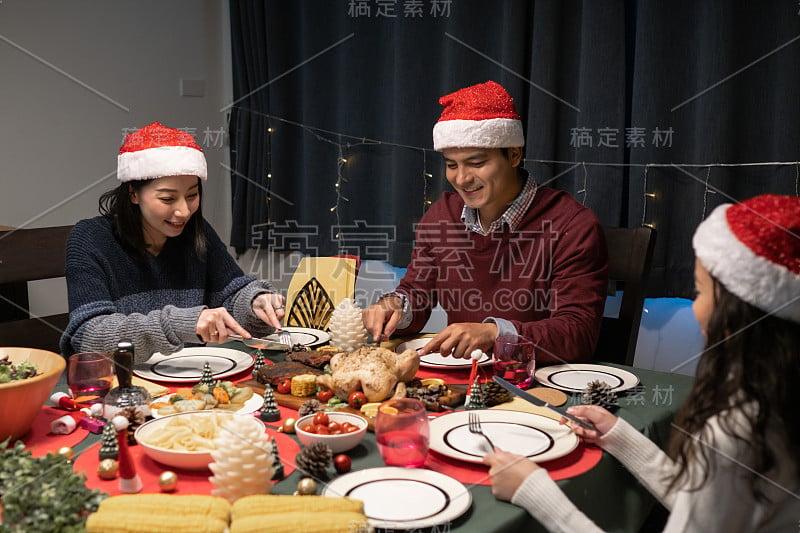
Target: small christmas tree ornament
<point>129,480</point>
<point>347,327</point>
<point>314,460</point>
<point>269,411</point>
<point>207,378</point>
<point>278,474</point>
<point>258,364</point>
<point>306,487</point>
<point>242,459</point>
<point>310,407</point>
<point>494,394</point>
<point>288,425</point>
<point>108,444</point>
<point>168,481</point>
<point>107,469</point>
<point>599,393</point>
<point>475,399</point>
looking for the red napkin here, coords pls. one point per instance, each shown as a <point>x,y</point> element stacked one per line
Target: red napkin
<point>580,460</point>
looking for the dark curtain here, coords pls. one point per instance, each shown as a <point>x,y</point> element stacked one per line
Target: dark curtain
<point>608,83</point>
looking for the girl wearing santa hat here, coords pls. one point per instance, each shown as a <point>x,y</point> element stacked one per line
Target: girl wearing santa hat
<point>734,463</point>
<point>150,268</point>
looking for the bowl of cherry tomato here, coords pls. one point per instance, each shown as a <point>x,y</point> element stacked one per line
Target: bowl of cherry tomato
<point>340,431</point>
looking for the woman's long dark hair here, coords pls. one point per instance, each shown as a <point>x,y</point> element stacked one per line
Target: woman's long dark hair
<point>126,219</point>
<point>750,359</point>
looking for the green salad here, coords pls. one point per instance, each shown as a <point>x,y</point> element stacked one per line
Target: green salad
<point>13,371</point>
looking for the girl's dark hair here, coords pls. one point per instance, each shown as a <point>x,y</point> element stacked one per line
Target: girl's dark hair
<point>751,359</point>
<point>126,220</point>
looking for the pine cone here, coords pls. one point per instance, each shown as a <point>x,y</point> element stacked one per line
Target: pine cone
<point>494,394</point>
<point>314,460</point>
<point>310,407</point>
<point>135,418</point>
<point>599,393</point>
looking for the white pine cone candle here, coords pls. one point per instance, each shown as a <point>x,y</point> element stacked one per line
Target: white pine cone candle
<point>243,463</point>
<point>346,327</point>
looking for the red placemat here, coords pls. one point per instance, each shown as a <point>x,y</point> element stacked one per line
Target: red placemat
<point>189,481</point>
<point>40,441</point>
<point>580,460</point>
<point>455,377</point>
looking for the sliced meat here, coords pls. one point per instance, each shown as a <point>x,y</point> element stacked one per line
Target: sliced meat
<point>312,358</point>
<point>273,374</point>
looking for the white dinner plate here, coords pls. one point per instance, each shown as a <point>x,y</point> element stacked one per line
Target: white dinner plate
<point>534,436</point>
<point>576,377</point>
<point>186,366</point>
<point>403,498</point>
<point>305,336</point>
<point>250,406</point>
<point>437,360</point>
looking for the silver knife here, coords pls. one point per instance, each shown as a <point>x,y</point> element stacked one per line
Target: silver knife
<point>261,343</point>
<point>585,424</point>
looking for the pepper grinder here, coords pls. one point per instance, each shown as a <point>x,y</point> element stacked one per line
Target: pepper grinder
<point>125,395</point>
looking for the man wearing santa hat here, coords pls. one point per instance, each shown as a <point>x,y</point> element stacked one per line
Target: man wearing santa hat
<point>502,255</point>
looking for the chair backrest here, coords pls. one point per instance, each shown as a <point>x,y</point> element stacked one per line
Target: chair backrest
<point>318,285</point>
<point>30,255</point>
<point>630,256</point>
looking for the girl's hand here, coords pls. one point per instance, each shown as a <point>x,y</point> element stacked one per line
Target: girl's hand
<point>600,417</point>
<point>213,325</point>
<point>270,308</point>
<point>508,471</point>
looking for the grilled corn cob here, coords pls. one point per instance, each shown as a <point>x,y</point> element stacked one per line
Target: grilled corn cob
<point>304,385</point>
<point>137,522</point>
<point>175,504</point>
<point>299,522</point>
<point>261,504</point>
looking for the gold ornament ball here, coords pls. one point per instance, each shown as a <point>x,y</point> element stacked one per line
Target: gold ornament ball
<point>67,452</point>
<point>288,425</point>
<point>306,487</point>
<point>107,469</point>
<point>167,481</point>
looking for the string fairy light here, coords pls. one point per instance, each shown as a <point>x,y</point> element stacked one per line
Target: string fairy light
<point>706,192</point>
<point>321,135</point>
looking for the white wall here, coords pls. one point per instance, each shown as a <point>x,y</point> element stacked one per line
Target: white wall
<point>59,138</point>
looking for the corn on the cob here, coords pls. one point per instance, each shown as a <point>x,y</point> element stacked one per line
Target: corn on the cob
<point>304,385</point>
<point>299,522</point>
<point>277,503</point>
<point>155,522</point>
<point>175,504</point>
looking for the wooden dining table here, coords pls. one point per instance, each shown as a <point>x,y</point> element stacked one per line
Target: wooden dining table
<point>604,490</point>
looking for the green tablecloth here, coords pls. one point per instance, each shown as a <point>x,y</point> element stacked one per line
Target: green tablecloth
<point>608,494</point>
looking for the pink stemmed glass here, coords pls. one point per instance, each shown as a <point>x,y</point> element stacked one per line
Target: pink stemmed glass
<point>402,432</point>
<point>514,359</point>
<point>89,376</point>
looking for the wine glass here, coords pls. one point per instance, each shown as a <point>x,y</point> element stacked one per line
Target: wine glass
<point>89,376</point>
<point>402,432</point>
<point>514,359</point>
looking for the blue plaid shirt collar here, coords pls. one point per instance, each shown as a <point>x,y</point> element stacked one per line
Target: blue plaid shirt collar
<point>512,216</point>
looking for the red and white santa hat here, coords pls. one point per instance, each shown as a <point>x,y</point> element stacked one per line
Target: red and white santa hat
<point>156,151</point>
<point>753,249</point>
<point>480,116</point>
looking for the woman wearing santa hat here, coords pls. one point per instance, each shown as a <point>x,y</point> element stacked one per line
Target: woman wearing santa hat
<point>150,268</point>
<point>734,463</point>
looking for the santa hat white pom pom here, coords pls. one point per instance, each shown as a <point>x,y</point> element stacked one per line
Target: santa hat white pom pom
<point>476,354</point>
<point>120,422</point>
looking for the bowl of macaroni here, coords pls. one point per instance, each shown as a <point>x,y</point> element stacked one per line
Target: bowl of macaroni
<point>183,440</point>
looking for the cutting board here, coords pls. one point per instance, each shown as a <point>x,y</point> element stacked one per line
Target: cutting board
<point>456,397</point>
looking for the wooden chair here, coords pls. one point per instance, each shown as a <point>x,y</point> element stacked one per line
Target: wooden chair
<point>630,256</point>
<point>29,255</point>
<point>318,285</point>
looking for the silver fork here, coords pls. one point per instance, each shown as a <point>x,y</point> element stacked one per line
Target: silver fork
<point>474,424</point>
<point>285,337</point>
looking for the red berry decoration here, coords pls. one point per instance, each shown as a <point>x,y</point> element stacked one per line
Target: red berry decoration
<point>342,463</point>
